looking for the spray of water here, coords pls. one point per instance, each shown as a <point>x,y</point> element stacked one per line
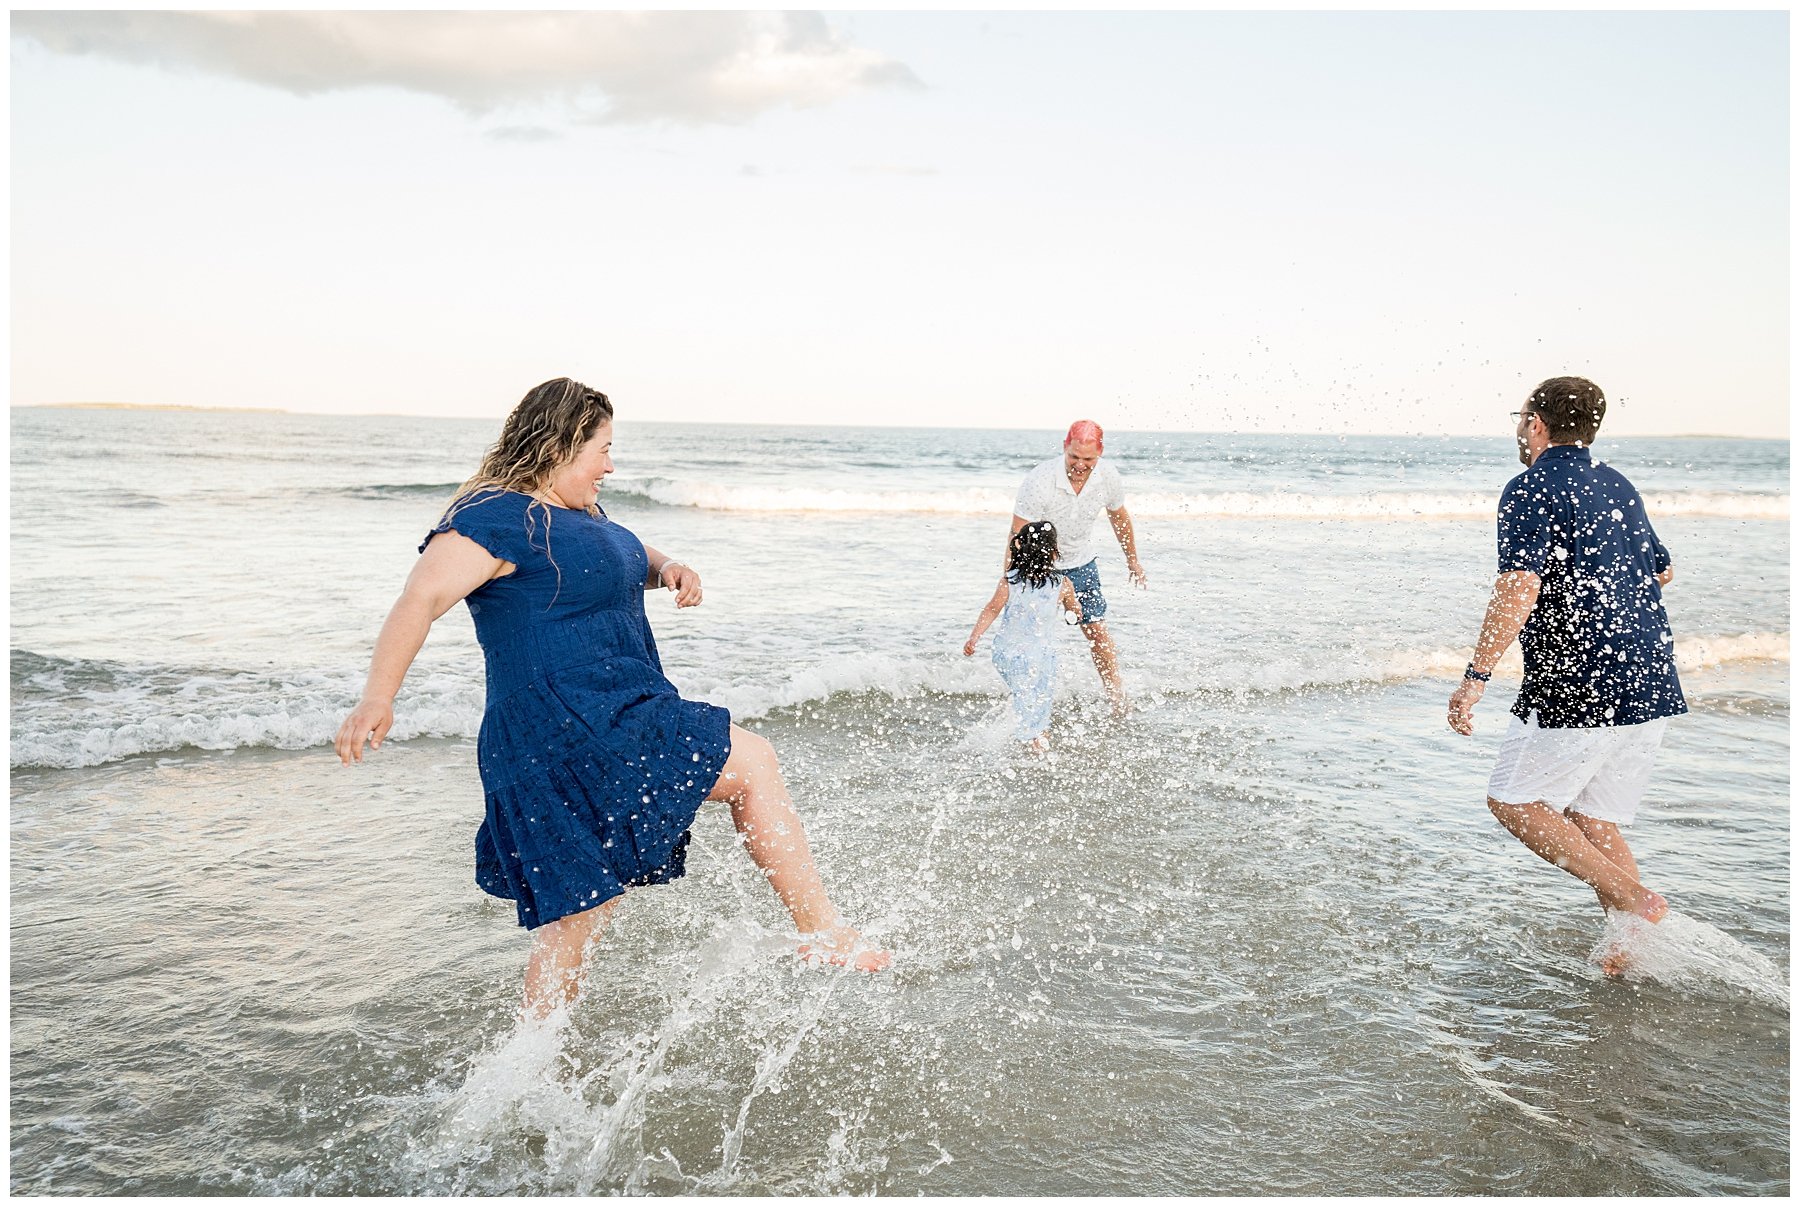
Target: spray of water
<point>1683,952</point>
<point>585,1123</point>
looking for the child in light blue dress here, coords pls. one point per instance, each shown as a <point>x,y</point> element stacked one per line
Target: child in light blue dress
<point>1029,603</point>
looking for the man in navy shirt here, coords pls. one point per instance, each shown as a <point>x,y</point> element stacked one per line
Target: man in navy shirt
<point>1580,586</point>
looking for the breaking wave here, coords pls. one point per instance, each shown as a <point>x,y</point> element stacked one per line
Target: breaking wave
<point>83,713</point>
<point>73,712</point>
<point>402,490</point>
<point>1224,505</point>
<point>1691,654</point>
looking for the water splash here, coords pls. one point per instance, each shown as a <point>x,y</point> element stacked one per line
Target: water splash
<point>771,1063</point>
<point>1684,952</point>
<point>508,1081</point>
<point>583,1123</point>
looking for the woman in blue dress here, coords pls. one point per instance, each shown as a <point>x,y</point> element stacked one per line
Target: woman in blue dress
<point>592,764</point>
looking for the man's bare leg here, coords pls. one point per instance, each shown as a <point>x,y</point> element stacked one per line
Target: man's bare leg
<point>764,815</point>
<point>1106,661</point>
<point>1609,840</point>
<point>1553,837</point>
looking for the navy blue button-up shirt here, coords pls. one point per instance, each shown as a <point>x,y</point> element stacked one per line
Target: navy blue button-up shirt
<point>1597,646</point>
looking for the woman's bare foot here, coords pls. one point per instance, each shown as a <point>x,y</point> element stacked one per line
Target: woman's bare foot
<point>844,947</point>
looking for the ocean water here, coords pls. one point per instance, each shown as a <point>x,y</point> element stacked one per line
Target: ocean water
<point>1263,937</point>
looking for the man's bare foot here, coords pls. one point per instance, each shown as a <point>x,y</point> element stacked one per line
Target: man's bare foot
<point>1614,955</point>
<point>1615,962</point>
<point>844,947</point>
<point>1638,901</point>
<point>1039,744</point>
<point>1651,907</point>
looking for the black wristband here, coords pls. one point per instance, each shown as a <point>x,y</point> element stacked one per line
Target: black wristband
<point>1478,676</point>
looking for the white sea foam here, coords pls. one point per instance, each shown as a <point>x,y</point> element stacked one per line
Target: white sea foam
<point>1691,654</point>
<point>159,709</point>
<point>1695,653</point>
<point>1748,505</point>
<point>891,675</point>
<point>903,678</point>
<point>716,497</point>
<point>156,710</point>
<point>1151,504</point>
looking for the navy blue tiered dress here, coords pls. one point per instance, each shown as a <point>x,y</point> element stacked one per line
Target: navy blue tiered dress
<point>592,764</point>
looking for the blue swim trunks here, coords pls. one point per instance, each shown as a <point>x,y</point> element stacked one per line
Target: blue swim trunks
<point>1086,581</point>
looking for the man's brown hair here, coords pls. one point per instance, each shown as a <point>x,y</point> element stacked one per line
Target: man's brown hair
<point>1571,408</point>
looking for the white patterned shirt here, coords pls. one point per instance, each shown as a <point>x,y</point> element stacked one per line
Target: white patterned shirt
<point>1046,495</point>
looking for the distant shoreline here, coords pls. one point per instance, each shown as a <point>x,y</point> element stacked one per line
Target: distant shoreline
<point>147,406</point>
<point>151,406</point>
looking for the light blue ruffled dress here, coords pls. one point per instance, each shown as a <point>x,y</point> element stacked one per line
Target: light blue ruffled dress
<point>1025,655</point>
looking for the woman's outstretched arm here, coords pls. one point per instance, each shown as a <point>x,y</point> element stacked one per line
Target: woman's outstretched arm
<point>451,567</point>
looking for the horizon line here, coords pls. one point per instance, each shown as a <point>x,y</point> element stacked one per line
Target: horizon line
<point>183,407</point>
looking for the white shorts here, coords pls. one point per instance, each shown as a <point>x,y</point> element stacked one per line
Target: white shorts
<point>1599,773</point>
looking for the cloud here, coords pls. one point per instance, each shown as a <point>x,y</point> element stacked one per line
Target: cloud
<point>608,67</point>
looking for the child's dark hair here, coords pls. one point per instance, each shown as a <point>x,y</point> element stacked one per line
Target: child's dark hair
<point>1034,554</point>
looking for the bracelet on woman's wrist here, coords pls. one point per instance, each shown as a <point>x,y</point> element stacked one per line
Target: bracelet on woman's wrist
<point>1478,676</point>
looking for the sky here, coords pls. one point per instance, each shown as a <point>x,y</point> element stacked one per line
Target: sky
<point>1303,222</point>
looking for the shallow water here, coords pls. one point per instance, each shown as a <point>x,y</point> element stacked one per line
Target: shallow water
<point>1261,938</point>
<point>1228,983</point>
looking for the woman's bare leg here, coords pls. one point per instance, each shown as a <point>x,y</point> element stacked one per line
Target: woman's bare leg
<point>556,970</point>
<point>752,785</point>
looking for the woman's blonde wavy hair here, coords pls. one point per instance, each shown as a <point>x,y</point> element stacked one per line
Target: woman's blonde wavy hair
<point>543,432</point>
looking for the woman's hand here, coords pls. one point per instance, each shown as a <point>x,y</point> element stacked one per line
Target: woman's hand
<point>368,722</point>
<point>684,580</point>
<point>969,648</point>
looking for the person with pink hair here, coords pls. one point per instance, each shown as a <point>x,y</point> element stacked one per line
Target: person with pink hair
<point>1071,491</point>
